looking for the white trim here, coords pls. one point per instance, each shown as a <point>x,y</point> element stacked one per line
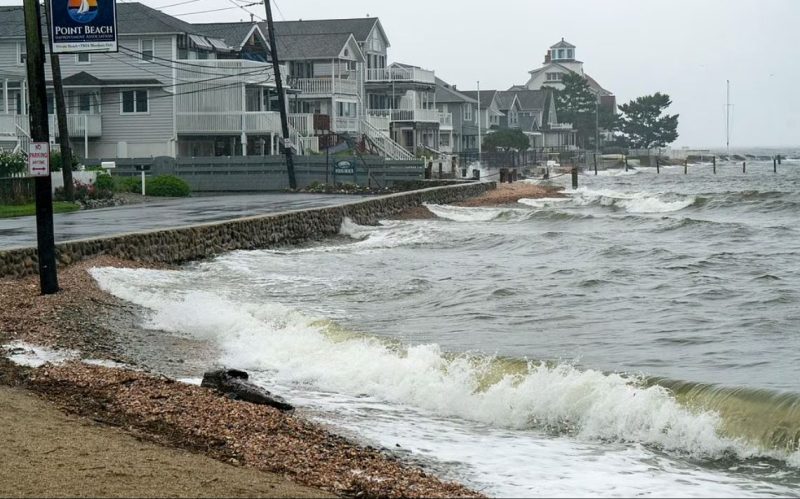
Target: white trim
<point>121,102</point>
<point>78,58</point>
<point>141,50</point>
<point>19,54</point>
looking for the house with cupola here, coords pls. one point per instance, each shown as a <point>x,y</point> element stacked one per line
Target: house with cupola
<point>559,60</point>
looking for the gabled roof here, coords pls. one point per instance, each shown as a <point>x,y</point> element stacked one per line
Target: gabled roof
<point>360,27</point>
<point>320,46</point>
<point>505,100</point>
<point>532,99</point>
<point>132,18</point>
<point>84,79</point>
<point>486,96</point>
<point>445,93</point>
<point>233,34</point>
<point>562,45</point>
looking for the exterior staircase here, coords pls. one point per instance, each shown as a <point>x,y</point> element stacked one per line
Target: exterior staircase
<point>384,143</point>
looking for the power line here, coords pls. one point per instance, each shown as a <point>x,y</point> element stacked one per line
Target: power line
<point>214,10</point>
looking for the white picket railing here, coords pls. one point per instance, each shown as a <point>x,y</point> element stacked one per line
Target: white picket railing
<point>397,74</point>
<point>389,147</point>
<point>229,122</point>
<point>325,86</point>
<point>379,122</point>
<point>417,114</point>
<point>345,124</point>
<point>304,123</point>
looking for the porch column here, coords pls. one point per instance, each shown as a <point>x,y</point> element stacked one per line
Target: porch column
<point>5,94</point>
<point>333,78</point>
<point>244,120</point>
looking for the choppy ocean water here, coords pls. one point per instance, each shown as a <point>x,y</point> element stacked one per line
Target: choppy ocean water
<point>637,337</point>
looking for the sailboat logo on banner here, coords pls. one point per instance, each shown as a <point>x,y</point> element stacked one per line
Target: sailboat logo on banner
<point>82,11</point>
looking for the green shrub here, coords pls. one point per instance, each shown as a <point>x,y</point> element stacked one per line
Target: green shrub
<point>167,186</point>
<point>12,163</point>
<point>128,184</point>
<point>104,183</point>
<point>55,161</point>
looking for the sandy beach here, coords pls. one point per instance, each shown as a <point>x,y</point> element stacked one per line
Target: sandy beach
<point>120,431</point>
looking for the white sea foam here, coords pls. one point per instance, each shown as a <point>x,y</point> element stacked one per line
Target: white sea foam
<point>585,403</point>
<point>543,202</point>
<point>471,214</point>
<point>637,202</point>
<point>26,354</point>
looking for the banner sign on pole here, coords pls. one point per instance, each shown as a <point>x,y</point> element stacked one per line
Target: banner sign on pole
<point>83,26</point>
<point>39,159</point>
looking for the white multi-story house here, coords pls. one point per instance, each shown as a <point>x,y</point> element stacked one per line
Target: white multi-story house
<point>356,91</point>
<point>173,89</point>
<point>560,59</point>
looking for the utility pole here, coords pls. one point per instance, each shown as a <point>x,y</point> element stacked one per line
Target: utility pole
<point>61,116</point>
<point>596,133</point>
<point>480,146</point>
<point>728,119</point>
<point>37,93</point>
<point>273,50</point>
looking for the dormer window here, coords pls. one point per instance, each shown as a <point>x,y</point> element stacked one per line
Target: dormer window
<point>555,76</point>
<point>570,54</point>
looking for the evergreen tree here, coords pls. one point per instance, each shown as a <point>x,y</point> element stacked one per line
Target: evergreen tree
<point>505,139</point>
<point>576,104</point>
<point>644,125</point>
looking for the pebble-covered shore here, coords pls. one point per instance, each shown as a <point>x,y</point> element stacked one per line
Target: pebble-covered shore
<point>182,415</point>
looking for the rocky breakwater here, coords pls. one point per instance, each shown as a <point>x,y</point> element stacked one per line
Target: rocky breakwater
<point>184,244</point>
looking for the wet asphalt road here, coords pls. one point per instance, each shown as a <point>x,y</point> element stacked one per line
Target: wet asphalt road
<point>160,214</point>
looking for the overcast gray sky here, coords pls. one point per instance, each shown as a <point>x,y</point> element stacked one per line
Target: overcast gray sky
<point>685,48</point>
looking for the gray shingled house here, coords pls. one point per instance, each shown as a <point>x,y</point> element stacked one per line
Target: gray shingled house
<point>174,89</point>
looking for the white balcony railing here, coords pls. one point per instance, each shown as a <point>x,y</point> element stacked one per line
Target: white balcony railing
<point>79,125</point>
<point>304,123</point>
<point>418,115</point>
<point>345,124</point>
<point>239,70</point>
<point>325,86</point>
<point>229,122</point>
<point>414,75</point>
<point>379,122</point>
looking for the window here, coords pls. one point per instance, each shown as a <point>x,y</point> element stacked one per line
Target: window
<point>84,103</point>
<point>202,55</point>
<point>22,54</point>
<point>570,54</point>
<point>554,76</point>
<point>467,112</point>
<point>83,58</point>
<point>134,101</point>
<point>560,53</point>
<point>444,140</point>
<point>146,49</point>
<point>51,103</point>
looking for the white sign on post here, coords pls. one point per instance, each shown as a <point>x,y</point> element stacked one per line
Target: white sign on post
<point>39,159</point>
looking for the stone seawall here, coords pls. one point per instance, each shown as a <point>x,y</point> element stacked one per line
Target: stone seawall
<point>196,242</point>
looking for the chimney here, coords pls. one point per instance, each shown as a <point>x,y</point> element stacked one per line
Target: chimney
<point>547,57</point>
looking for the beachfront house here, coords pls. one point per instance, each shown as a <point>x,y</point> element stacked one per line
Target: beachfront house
<point>173,89</point>
<point>463,111</point>
<point>537,118</point>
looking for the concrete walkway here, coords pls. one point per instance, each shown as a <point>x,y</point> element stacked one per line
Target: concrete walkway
<point>157,213</point>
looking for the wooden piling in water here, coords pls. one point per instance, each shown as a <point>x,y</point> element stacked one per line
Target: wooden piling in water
<point>595,163</point>
<point>714,161</point>
<point>774,165</point>
<point>658,166</point>
<point>744,166</point>
<point>779,159</point>
<point>574,173</point>
<point>625,158</point>
<point>686,166</point>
